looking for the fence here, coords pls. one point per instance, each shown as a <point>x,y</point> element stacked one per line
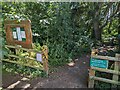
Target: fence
<point>100,63</point>
<point>28,57</point>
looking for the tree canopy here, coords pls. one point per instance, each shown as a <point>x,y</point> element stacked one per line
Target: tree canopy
<point>68,28</point>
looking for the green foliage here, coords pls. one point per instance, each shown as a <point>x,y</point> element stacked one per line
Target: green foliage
<point>13,10</point>
<point>53,22</point>
<point>3,50</point>
<point>57,55</point>
<point>37,46</point>
<point>22,70</point>
<point>57,25</point>
<point>111,31</point>
<point>66,28</point>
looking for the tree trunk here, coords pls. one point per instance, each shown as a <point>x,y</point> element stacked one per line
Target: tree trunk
<point>92,34</point>
<point>97,30</point>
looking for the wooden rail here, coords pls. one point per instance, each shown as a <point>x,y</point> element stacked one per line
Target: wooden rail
<point>105,57</point>
<point>7,60</point>
<point>18,47</point>
<point>19,57</point>
<point>106,70</point>
<point>115,72</point>
<point>105,80</point>
<point>28,60</point>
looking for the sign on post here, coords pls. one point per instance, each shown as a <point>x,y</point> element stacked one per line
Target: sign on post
<point>20,34</point>
<point>99,63</point>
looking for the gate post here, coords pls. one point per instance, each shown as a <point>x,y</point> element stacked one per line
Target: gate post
<point>45,58</point>
<point>116,68</point>
<point>91,71</point>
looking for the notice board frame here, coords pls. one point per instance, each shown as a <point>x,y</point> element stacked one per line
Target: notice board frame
<point>26,24</point>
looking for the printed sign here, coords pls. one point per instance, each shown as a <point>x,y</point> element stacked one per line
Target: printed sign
<point>19,34</point>
<point>99,63</point>
<point>39,57</point>
<point>14,35</point>
<point>23,34</point>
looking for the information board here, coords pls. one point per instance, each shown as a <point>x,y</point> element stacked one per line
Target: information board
<point>19,33</point>
<point>100,63</point>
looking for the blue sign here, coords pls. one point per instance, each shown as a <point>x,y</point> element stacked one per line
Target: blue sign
<point>100,63</point>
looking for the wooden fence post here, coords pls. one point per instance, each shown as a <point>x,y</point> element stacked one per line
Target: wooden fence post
<point>116,68</point>
<point>17,50</point>
<point>91,81</point>
<point>45,58</point>
<point>29,53</point>
<point>91,71</point>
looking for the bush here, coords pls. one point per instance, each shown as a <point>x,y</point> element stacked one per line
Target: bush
<point>57,55</point>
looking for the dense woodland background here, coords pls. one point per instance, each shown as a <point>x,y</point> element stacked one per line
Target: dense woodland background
<point>68,29</point>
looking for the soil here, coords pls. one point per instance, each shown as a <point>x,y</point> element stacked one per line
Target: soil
<point>62,77</point>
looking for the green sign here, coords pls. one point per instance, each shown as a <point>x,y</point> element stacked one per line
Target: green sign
<point>19,33</point>
<point>100,63</point>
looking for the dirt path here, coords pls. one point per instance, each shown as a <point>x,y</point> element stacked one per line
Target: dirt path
<point>64,77</point>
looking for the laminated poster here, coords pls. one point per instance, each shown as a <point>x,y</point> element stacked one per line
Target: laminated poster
<point>39,57</point>
<point>14,35</point>
<point>19,34</point>
<point>23,34</point>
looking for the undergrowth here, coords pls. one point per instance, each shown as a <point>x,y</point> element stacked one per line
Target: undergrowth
<point>22,70</point>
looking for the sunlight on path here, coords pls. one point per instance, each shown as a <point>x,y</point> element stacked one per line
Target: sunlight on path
<point>18,82</point>
<point>25,86</point>
<point>13,85</point>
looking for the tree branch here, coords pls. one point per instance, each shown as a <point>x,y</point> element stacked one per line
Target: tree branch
<point>106,9</point>
<point>109,5</point>
<point>117,9</point>
<point>109,26</point>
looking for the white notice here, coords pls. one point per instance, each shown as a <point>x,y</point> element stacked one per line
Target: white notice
<point>19,34</point>
<point>23,34</point>
<point>39,57</point>
<point>14,35</point>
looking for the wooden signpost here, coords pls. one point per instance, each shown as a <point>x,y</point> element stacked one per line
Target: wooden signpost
<point>19,38</point>
<point>100,63</point>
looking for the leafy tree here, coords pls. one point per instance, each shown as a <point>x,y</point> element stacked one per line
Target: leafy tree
<point>99,15</point>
